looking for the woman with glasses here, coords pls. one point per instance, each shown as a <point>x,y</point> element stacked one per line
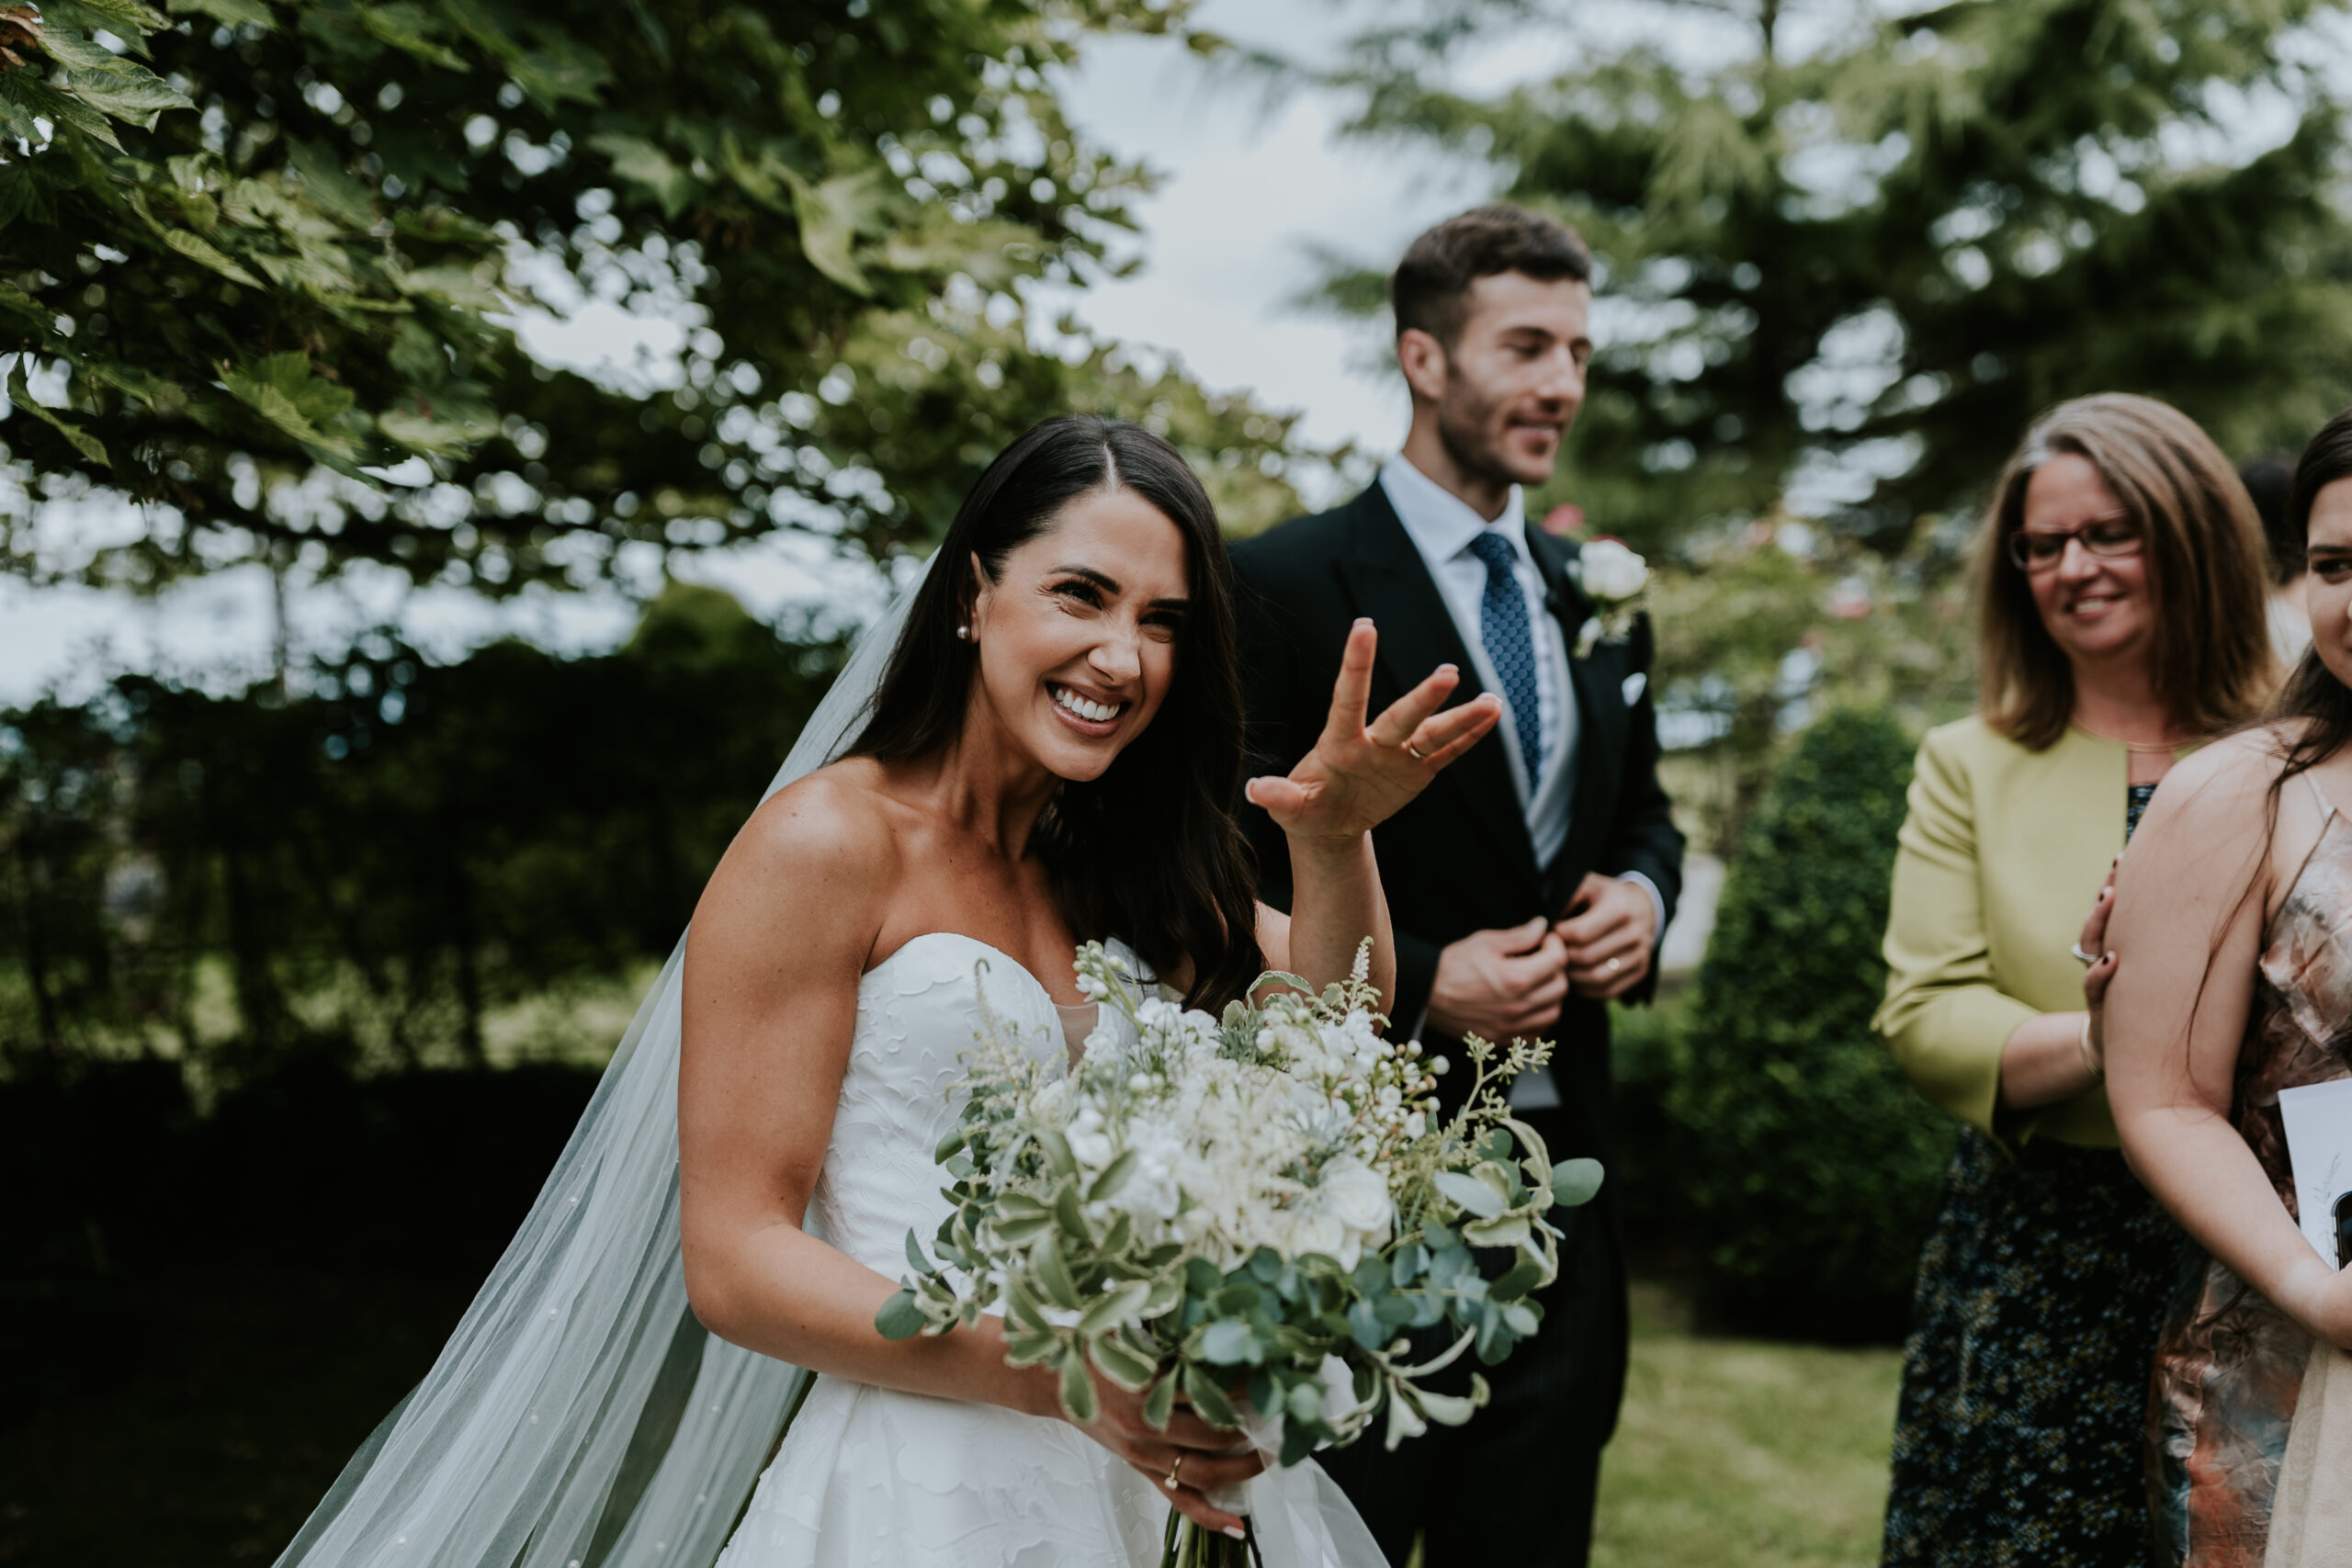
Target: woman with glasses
<point>2120,594</point>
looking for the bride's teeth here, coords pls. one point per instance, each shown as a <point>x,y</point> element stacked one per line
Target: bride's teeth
<point>1099,713</point>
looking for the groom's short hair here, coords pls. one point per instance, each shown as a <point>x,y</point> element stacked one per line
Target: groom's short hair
<point>1430,288</point>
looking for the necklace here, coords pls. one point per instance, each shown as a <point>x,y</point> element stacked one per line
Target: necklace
<point>2144,748</point>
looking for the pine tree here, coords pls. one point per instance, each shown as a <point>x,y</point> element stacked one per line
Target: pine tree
<point>1845,262</point>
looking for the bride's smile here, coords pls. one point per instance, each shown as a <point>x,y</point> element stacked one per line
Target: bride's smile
<point>1077,632</point>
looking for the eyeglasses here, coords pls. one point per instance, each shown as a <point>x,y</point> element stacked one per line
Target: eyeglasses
<point>2038,549</point>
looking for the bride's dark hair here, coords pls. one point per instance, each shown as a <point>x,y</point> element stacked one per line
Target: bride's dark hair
<point>1150,852</point>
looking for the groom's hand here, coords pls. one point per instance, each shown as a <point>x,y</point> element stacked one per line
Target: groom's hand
<point>1500,984</point>
<point>1610,931</point>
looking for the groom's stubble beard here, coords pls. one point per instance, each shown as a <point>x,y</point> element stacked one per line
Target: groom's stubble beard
<point>1467,429</point>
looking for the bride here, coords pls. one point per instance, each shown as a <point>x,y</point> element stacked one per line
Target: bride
<point>1052,752</point>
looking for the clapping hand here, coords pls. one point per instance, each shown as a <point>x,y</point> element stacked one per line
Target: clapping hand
<point>1361,774</point>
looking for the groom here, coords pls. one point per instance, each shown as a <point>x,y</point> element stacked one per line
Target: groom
<point>1531,882</point>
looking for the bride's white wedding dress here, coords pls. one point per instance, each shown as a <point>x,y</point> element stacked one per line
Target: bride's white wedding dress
<point>869,1475</point>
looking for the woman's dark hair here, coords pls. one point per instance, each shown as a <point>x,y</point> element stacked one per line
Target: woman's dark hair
<point>2212,667</point>
<point>1150,852</point>
<point>2314,695</point>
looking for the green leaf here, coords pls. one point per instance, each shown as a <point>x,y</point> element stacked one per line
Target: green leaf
<point>648,168</point>
<point>1208,1400</point>
<point>831,215</point>
<point>1470,1194</point>
<point>1119,1362</point>
<point>1521,1318</point>
<point>1057,1155</point>
<point>1574,1181</point>
<point>1524,1277</point>
<point>230,12</point>
<point>129,93</point>
<point>1114,1176</point>
<point>1020,1230</point>
<point>914,1256</point>
<point>1228,1342</point>
<point>201,250</point>
<point>1159,1404</point>
<point>900,1318</point>
<point>408,28</point>
<point>1078,1389</point>
<point>948,1145</point>
<point>1117,1305</point>
<point>1509,1230</point>
<point>563,70</point>
<point>1066,1211</point>
<point>80,440</point>
<point>1053,1273</point>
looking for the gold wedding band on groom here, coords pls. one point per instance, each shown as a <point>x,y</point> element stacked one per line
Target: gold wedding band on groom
<point>1173,1469</point>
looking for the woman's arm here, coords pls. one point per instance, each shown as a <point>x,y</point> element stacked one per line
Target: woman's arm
<point>2186,932</point>
<point>1358,776</point>
<point>1968,1047</point>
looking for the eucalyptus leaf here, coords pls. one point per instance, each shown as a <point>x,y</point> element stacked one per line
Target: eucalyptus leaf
<point>900,1318</point>
<point>1574,1181</point>
<point>1469,1193</point>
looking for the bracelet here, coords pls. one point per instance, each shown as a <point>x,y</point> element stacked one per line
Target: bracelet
<point>2092,1062</point>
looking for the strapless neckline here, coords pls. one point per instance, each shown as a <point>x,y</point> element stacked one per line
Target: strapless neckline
<point>988,948</point>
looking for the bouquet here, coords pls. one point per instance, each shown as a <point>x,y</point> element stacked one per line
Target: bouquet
<point>1247,1212</point>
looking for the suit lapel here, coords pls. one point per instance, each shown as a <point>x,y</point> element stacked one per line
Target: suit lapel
<point>1390,583</point>
<point>1599,712</point>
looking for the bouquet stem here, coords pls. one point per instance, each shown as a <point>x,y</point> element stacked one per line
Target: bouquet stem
<point>1187,1545</point>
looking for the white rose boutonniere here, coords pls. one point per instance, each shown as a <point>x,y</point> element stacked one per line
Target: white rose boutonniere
<point>1616,580</point>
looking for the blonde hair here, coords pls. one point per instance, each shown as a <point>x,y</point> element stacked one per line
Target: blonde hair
<point>2208,569</point>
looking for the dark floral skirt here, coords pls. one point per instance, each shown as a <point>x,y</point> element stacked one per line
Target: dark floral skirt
<point>2020,1436</point>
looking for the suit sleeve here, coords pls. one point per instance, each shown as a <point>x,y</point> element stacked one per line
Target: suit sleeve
<point>1944,1019</point>
<point>1269,665</point>
<point>1643,840</point>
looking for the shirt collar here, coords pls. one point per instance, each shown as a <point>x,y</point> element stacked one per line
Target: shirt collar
<point>1441,523</point>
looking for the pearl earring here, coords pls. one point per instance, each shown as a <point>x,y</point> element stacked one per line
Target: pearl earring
<point>963,634</point>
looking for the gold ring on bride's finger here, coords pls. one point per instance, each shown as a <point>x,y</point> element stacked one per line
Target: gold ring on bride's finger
<point>1415,753</point>
<point>2083,958</point>
<point>1173,1468</point>
<point>1611,967</point>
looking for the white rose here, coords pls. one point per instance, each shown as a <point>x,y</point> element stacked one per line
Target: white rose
<point>1612,572</point>
<point>1358,1196</point>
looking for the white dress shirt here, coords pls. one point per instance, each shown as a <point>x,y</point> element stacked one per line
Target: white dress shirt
<point>1441,526</point>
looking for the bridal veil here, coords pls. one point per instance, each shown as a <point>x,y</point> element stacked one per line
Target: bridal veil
<point>579,1417</point>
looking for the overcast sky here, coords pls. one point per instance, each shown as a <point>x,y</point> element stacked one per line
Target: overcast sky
<point>1246,187</point>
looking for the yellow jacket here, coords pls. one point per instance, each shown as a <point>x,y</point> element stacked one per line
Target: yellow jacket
<point>2001,854</point>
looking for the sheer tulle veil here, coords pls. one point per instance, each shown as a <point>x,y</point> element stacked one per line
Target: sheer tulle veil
<point>579,1417</point>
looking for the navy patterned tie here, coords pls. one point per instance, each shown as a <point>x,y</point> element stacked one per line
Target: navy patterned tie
<point>1510,646</point>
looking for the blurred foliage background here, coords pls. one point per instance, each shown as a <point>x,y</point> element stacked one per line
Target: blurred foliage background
<point>301,981</point>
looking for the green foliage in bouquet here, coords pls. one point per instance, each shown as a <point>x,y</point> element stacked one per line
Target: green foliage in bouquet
<point>1246,1212</point>
<point>1811,1167</point>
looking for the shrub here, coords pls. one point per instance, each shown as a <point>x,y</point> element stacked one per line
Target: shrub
<point>1811,1169</point>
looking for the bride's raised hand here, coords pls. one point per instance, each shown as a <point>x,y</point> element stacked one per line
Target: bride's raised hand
<point>1361,773</point>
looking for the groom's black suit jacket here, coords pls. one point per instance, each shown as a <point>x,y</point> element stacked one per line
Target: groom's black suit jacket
<point>1460,859</point>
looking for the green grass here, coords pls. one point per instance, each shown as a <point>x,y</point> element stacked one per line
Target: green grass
<point>192,1421</point>
<point>1736,1453</point>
